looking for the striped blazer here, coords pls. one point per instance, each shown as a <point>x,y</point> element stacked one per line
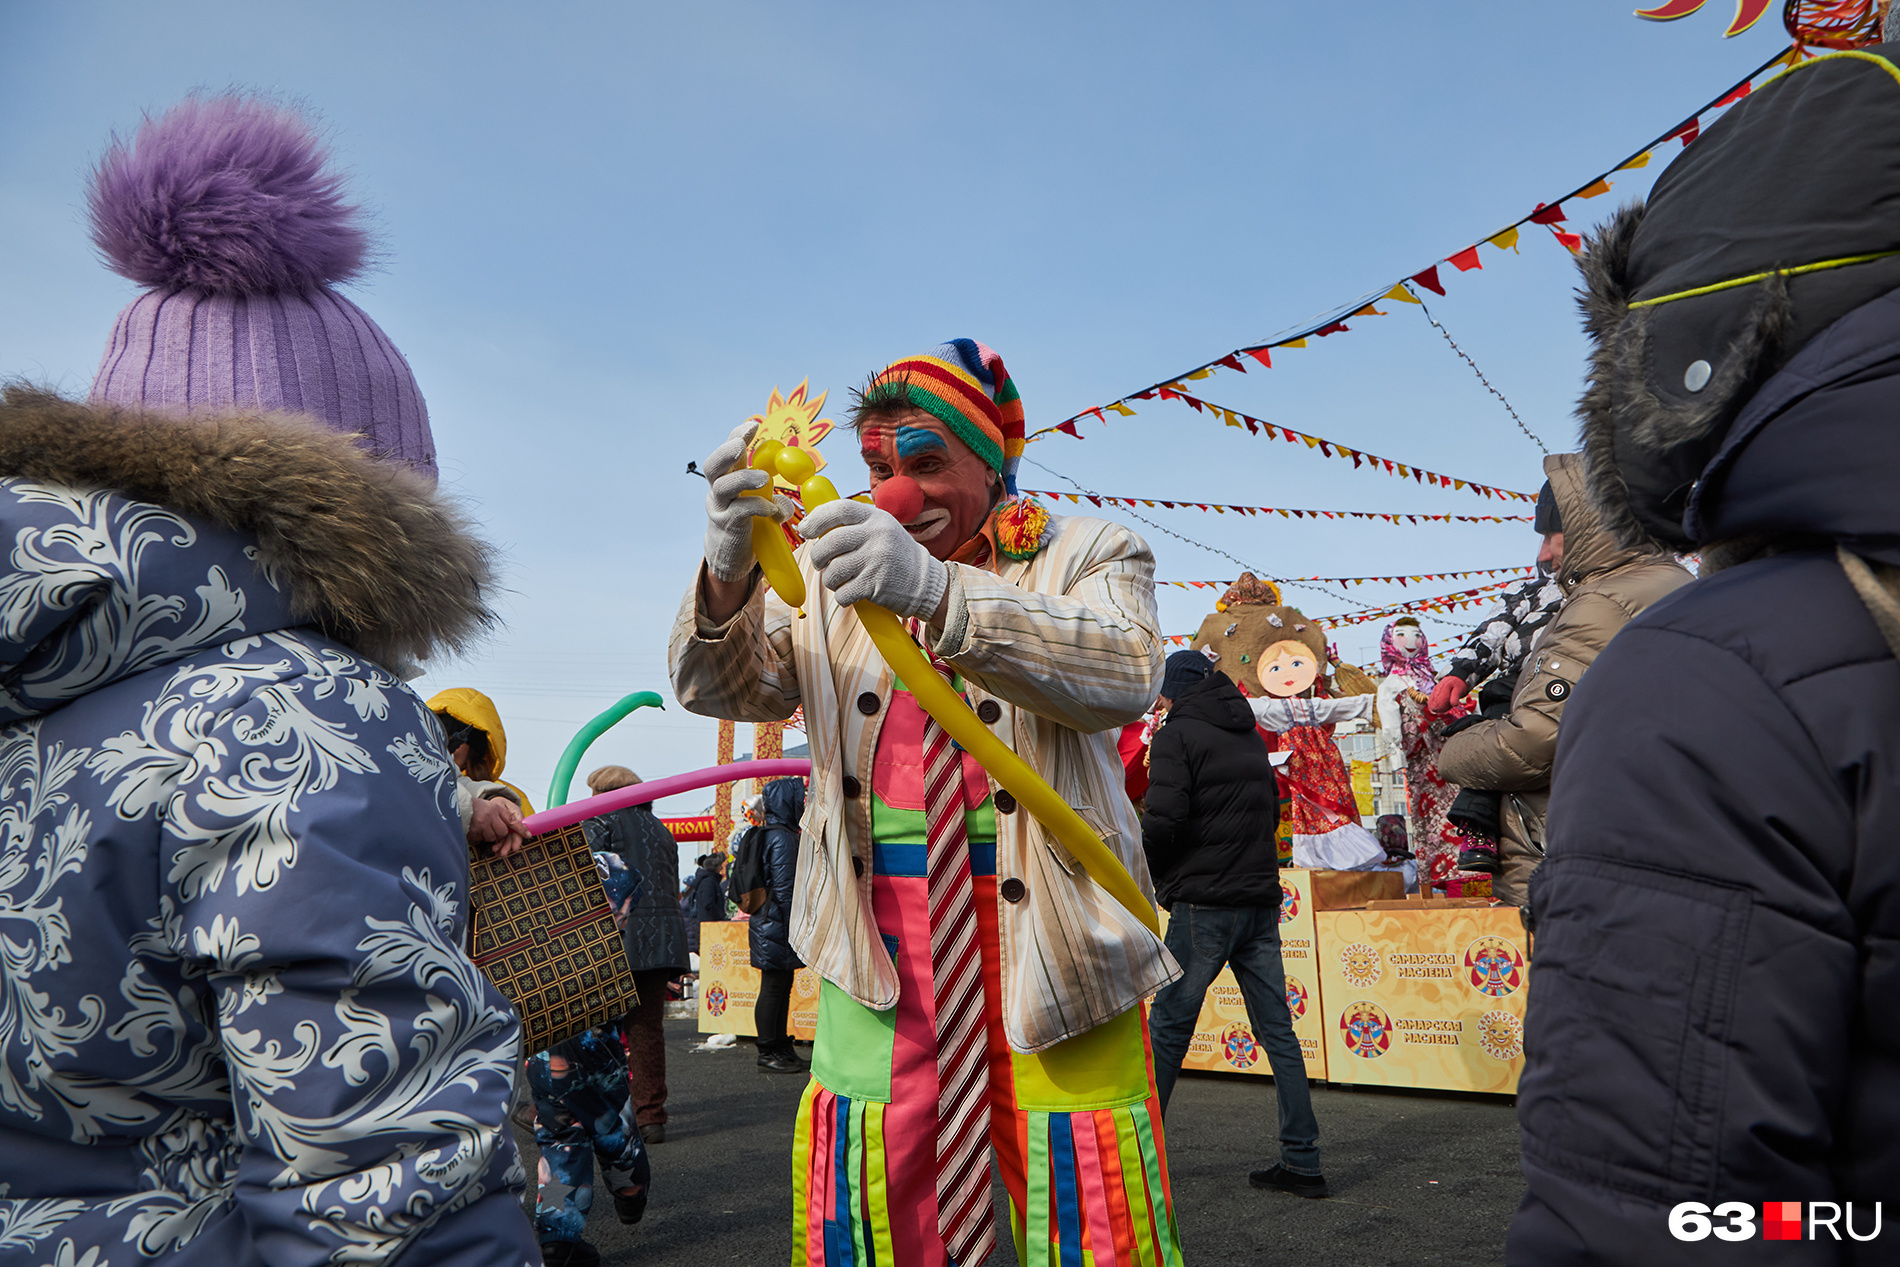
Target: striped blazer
<point>1066,647</point>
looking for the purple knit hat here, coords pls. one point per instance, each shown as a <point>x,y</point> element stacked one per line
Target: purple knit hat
<point>224,207</point>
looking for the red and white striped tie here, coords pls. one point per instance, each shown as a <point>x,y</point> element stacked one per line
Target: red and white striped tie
<point>965,1216</point>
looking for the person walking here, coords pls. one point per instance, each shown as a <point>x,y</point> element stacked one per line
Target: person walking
<point>654,936</point>
<point>768,933</point>
<point>1209,834</point>
<point>1710,1034</point>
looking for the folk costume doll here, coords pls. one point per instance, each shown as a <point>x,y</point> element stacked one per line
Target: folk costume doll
<point>1412,737</point>
<point>1278,658</point>
<point>979,993</point>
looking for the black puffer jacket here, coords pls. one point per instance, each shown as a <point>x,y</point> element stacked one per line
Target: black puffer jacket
<point>1714,1011</point>
<point>655,936</point>
<point>704,904</point>
<point>769,935</point>
<point>1213,806</point>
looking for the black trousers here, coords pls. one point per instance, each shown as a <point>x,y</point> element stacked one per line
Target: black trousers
<point>773,1009</point>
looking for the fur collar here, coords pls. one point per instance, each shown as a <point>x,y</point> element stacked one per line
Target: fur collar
<point>369,552</point>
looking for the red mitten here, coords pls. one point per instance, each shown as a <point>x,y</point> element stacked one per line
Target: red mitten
<point>1448,692</point>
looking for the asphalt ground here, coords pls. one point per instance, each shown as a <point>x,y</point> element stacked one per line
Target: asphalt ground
<point>1416,1178</point>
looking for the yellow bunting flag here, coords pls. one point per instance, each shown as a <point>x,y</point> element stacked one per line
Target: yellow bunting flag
<point>1202,373</point>
<point>1368,311</point>
<point>1233,420</point>
<point>1291,343</point>
<point>1122,409</point>
<point>1401,295</point>
<point>1505,241</point>
<point>1595,187</point>
<point>1641,160</point>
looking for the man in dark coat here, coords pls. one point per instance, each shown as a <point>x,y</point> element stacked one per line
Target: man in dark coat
<point>1209,833</point>
<point>655,939</point>
<point>769,931</point>
<point>705,896</point>
<point>1712,1018</point>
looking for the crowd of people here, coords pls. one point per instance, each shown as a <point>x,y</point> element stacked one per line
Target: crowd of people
<point>241,1023</point>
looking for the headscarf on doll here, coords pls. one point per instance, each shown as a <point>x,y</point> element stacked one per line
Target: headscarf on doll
<point>1404,650</point>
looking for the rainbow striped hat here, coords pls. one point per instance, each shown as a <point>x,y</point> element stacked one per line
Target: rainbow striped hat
<point>963,385</point>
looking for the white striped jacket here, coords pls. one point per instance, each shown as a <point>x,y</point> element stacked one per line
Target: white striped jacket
<point>1066,647</point>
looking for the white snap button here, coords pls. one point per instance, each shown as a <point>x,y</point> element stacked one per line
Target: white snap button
<point>1697,376</point>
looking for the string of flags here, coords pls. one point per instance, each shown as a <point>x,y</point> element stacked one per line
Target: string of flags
<point>1331,448</point>
<point>1547,215</point>
<point>1362,580</point>
<point>1457,600</point>
<point>1285,512</point>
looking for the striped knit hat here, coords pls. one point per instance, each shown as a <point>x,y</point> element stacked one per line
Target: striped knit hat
<point>963,385</point>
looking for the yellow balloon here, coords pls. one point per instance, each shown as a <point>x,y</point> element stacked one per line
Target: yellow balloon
<point>795,466</point>
<point>949,710</point>
<point>774,552</point>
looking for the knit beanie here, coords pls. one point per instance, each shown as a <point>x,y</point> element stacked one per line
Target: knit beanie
<point>1183,670</point>
<point>1547,520</point>
<point>225,207</point>
<point>963,385</point>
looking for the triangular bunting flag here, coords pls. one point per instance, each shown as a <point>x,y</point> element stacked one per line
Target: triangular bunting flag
<point>1429,280</point>
<point>1400,295</point>
<point>1260,355</point>
<point>1505,241</point>
<point>1594,188</point>
<point>1466,260</point>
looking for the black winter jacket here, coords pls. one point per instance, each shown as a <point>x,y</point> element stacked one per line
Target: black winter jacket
<point>706,903</point>
<point>1213,804</point>
<point>770,933</point>
<point>1714,1008</point>
<point>655,936</point>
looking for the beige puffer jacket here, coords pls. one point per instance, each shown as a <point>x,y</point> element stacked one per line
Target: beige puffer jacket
<point>1605,586</point>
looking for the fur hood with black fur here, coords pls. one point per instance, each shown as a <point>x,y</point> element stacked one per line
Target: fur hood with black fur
<point>1780,221</point>
<point>366,552</point>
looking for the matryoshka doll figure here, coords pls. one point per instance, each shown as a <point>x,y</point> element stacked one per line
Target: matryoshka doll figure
<point>1323,816</point>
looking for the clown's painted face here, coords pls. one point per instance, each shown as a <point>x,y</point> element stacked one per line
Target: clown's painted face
<point>1407,639</point>
<point>958,486</point>
<point>1287,669</point>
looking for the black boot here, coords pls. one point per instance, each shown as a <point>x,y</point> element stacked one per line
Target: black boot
<point>569,1254</point>
<point>1280,1179</point>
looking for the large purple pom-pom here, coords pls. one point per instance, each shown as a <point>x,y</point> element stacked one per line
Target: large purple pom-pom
<point>225,194</point>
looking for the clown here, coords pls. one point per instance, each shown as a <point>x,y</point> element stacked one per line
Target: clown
<point>979,993</point>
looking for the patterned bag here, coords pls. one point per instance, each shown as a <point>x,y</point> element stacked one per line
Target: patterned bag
<point>543,931</point>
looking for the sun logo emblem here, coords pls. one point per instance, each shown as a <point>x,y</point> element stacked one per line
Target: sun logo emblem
<point>1493,966</point>
<point>1289,904</point>
<point>1366,1029</point>
<point>793,421</point>
<point>1361,964</point>
<point>716,1000</point>
<point>1501,1035</point>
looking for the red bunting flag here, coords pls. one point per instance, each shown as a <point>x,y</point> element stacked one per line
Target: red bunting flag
<point>1741,90</point>
<point>1573,242</point>
<point>1070,428</point>
<point>1337,327</point>
<point>1688,132</point>
<point>1466,260</point>
<point>1429,280</point>
<point>1232,362</point>
<point>1553,214</point>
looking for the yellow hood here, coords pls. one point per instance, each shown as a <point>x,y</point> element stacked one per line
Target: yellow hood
<point>470,707</point>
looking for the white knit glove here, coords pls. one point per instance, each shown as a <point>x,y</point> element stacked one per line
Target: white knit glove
<point>729,515</point>
<point>863,554</point>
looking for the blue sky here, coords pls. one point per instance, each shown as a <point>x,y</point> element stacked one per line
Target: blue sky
<point>610,229</point>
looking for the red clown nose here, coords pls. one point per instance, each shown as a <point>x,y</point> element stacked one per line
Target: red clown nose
<point>900,498</point>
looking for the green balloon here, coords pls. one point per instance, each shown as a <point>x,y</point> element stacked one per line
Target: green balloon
<point>577,746</point>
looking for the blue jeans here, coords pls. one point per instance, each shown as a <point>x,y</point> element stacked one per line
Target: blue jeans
<point>1205,939</point>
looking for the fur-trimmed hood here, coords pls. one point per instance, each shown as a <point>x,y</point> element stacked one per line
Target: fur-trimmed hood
<point>1774,225</point>
<point>290,519</point>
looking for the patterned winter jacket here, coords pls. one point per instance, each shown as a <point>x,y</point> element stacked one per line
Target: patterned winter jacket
<point>236,1022</point>
<point>1057,652</point>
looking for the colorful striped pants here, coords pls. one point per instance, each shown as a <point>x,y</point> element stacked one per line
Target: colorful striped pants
<point>1076,1129</point>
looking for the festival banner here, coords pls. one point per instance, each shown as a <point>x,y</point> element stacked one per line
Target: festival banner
<point>1548,215</point>
<point>1457,600</point>
<point>1223,1040</point>
<point>1427,998</point>
<point>1285,512</point>
<point>729,985</point>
